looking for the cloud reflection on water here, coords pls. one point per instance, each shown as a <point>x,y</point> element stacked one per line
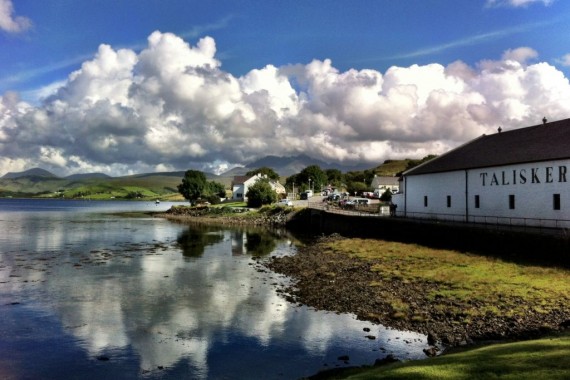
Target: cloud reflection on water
<point>174,307</point>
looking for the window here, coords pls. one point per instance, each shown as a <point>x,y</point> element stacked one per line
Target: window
<point>556,201</point>
<point>425,201</point>
<point>477,202</point>
<point>449,201</point>
<point>512,201</point>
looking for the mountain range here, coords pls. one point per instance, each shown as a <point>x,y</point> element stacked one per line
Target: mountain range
<point>40,182</point>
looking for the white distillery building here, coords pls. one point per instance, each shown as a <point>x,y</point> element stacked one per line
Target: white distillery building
<point>517,177</point>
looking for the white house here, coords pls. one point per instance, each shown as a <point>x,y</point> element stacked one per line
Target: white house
<point>517,177</point>
<point>241,184</point>
<point>383,183</point>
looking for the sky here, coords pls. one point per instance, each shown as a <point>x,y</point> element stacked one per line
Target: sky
<point>134,86</point>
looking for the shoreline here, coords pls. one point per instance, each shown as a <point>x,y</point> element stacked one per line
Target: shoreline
<point>340,283</point>
<point>336,282</point>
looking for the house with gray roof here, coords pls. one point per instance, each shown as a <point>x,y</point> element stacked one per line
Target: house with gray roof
<point>516,177</point>
<point>241,184</point>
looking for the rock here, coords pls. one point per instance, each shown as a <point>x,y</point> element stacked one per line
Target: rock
<point>371,337</point>
<point>431,351</point>
<point>432,338</point>
<point>366,329</point>
<point>103,358</point>
<point>387,360</point>
<point>344,358</point>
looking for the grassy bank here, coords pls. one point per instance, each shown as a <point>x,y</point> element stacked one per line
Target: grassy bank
<point>475,285</point>
<point>547,358</point>
<point>453,296</point>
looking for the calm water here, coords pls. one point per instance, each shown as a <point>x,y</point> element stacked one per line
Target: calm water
<point>89,294</point>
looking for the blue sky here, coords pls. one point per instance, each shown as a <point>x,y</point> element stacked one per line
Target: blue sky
<point>252,34</point>
<point>42,43</point>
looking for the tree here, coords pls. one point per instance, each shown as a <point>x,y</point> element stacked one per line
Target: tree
<point>386,196</point>
<point>270,173</point>
<point>217,189</point>
<point>334,177</point>
<point>357,187</point>
<point>260,193</point>
<point>193,186</point>
<point>315,174</point>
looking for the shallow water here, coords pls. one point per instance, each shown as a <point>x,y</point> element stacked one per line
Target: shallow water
<point>86,293</point>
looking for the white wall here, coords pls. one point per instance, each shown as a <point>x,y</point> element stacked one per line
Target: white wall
<point>532,185</point>
<point>436,187</point>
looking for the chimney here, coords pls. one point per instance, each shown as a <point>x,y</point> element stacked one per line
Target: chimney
<point>544,120</point>
<point>499,129</point>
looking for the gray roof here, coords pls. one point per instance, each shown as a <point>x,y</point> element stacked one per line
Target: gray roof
<point>543,142</point>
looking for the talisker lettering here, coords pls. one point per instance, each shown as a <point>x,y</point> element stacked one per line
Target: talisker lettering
<point>549,174</point>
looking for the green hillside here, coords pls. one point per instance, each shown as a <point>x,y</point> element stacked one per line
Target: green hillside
<point>391,167</point>
<point>39,183</point>
<point>151,187</point>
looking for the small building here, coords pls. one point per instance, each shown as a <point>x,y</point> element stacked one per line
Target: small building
<point>241,184</point>
<point>382,183</point>
<point>516,177</point>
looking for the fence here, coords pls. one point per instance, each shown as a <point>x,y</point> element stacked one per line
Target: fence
<point>541,225</point>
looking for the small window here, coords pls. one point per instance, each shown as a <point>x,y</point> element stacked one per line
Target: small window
<point>512,201</point>
<point>556,201</point>
<point>449,201</point>
<point>425,201</point>
<point>477,202</point>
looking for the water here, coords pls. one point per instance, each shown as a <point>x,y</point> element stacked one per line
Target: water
<point>88,293</point>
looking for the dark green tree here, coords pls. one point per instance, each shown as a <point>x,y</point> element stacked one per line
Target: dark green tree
<point>260,193</point>
<point>357,187</point>
<point>270,173</point>
<point>334,177</point>
<point>317,176</point>
<point>194,185</point>
<point>291,181</point>
<point>386,196</point>
<point>217,189</point>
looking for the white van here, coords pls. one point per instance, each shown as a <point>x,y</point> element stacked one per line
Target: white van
<point>361,201</point>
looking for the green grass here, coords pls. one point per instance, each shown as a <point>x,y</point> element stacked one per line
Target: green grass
<point>547,359</point>
<point>465,278</point>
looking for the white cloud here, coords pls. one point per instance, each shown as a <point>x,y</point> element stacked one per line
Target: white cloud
<point>565,61</point>
<point>173,107</point>
<point>10,23</point>
<point>517,3</point>
<point>521,55</point>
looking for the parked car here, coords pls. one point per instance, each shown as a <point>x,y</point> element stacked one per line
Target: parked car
<point>285,202</point>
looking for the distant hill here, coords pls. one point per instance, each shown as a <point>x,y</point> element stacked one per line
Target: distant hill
<point>88,176</point>
<point>391,167</point>
<point>39,182</point>
<point>35,172</point>
<point>286,166</point>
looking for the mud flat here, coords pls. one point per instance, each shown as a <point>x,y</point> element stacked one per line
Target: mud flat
<point>455,298</point>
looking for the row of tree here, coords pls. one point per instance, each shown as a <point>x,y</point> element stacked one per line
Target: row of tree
<point>195,186</point>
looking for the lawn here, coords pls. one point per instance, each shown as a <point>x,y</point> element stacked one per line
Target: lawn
<point>547,359</point>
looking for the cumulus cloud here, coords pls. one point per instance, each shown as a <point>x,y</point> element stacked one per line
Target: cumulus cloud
<point>173,107</point>
<point>10,23</point>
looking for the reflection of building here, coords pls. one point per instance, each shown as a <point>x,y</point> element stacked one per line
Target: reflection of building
<point>239,240</point>
<point>515,177</point>
<point>241,184</point>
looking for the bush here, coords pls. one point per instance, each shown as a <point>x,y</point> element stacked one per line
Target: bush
<point>260,194</point>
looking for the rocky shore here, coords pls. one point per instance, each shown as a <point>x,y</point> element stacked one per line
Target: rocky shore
<point>273,217</point>
<point>336,282</point>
